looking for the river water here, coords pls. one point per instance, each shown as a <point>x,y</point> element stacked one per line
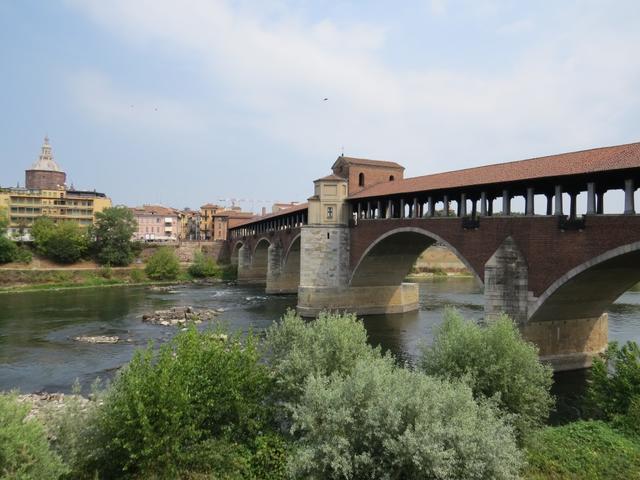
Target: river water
<point>38,353</point>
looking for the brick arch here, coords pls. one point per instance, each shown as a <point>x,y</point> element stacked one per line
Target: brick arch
<point>389,258</point>
<point>234,252</point>
<point>587,291</point>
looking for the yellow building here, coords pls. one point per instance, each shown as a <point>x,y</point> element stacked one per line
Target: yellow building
<point>24,205</point>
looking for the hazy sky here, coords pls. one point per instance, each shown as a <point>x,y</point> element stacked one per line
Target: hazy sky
<point>193,101</point>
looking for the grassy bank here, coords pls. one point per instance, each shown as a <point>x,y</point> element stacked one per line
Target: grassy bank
<point>14,280</point>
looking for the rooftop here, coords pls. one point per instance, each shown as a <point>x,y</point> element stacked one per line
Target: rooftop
<point>280,213</point>
<point>617,157</point>
<point>366,161</point>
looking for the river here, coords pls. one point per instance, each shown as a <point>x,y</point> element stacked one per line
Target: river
<point>38,353</point>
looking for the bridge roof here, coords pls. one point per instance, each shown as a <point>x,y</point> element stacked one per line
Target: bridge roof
<point>287,211</point>
<point>603,159</point>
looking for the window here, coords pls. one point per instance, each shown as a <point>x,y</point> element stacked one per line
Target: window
<point>391,178</point>
<point>329,212</point>
<point>361,179</point>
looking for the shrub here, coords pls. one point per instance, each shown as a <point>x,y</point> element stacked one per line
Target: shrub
<point>296,349</point>
<point>137,275</point>
<point>386,422</point>
<point>588,450</point>
<point>615,381</point>
<point>8,250</point>
<point>173,411</point>
<point>203,267</point>
<point>497,363</point>
<point>163,265</point>
<point>24,255</point>
<point>24,451</point>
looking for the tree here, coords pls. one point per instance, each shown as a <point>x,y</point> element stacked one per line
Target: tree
<point>8,249</point>
<point>63,242</point>
<point>41,231</point>
<point>112,235</point>
<point>614,384</point>
<point>386,422</point>
<point>163,265</point>
<point>330,344</point>
<point>497,363</point>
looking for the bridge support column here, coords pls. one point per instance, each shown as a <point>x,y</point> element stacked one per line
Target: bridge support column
<point>529,206</point>
<point>483,204</point>
<point>244,264</point>
<point>629,190</point>
<point>279,279</point>
<point>568,344</point>
<point>558,200</point>
<point>591,198</point>
<point>506,283</point>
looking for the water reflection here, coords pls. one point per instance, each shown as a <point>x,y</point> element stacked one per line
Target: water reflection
<point>36,329</point>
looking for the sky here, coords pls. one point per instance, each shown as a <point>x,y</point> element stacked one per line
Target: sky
<point>186,102</point>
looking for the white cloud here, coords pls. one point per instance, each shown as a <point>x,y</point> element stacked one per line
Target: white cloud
<point>563,92</point>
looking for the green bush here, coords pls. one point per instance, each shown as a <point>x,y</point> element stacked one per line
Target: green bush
<point>24,451</point>
<point>163,265</point>
<point>173,411</point>
<point>614,381</point>
<point>8,249</point>
<point>496,363</point>
<point>203,267</point>
<point>586,450</point>
<point>137,275</point>
<point>386,422</point>
<point>24,255</point>
<point>296,349</point>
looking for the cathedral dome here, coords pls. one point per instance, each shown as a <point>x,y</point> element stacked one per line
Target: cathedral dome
<point>45,160</point>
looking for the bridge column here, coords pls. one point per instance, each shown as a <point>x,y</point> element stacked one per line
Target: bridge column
<point>389,209</point>
<point>591,198</point>
<point>629,190</point>
<point>445,201</point>
<point>506,202</point>
<point>558,200</point>
<point>600,202</point>
<point>530,209</point>
<point>572,206</point>
<point>483,204</point>
<point>244,263</point>
<point>430,207</point>
<point>463,205</point>
<point>506,283</point>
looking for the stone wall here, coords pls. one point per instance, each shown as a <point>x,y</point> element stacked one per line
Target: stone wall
<point>324,256</point>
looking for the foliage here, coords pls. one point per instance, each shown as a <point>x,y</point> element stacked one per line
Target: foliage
<point>4,219</point>
<point>112,234</point>
<point>8,249</point>
<point>588,450</point>
<point>23,255</point>
<point>24,451</point>
<point>387,422</point>
<point>163,265</point>
<point>137,275</point>
<point>63,242</point>
<point>41,230</point>
<point>68,429</point>
<point>615,381</point>
<point>175,410</point>
<point>296,349</point>
<point>497,363</point>
<point>203,267</point>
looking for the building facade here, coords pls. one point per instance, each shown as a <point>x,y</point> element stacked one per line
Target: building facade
<point>47,195</point>
<point>157,223</point>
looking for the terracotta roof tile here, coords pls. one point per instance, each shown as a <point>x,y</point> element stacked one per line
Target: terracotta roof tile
<point>573,163</point>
